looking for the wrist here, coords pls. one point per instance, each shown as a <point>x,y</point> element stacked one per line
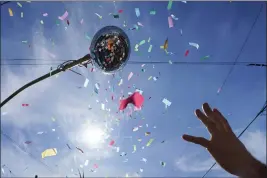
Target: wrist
<point>254,168</point>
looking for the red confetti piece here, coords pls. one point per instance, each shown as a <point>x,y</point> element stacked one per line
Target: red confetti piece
<point>186,53</point>
<point>95,166</point>
<point>111,142</point>
<point>120,11</point>
<point>136,99</point>
<point>25,104</point>
<point>80,149</point>
<point>28,142</point>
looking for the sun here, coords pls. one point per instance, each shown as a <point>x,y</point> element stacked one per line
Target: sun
<point>92,136</point>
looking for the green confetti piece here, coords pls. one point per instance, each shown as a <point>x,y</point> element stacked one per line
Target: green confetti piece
<point>136,27</point>
<point>42,22</point>
<point>169,5</point>
<point>19,4</point>
<point>87,37</point>
<point>149,142</point>
<point>135,49</point>
<point>205,57</point>
<point>142,42</point>
<point>150,48</point>
<point>24,41</point>
<point>148,40</point>
<point>134,147</point>
<point>152,12</point>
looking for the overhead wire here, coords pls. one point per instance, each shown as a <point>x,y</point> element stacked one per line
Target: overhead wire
<point>22,149</point>
<point>242,48</point>
<point>229,73</point>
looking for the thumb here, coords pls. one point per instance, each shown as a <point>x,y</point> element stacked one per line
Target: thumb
<point>197,140</point>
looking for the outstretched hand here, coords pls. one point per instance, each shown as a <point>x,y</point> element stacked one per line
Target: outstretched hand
<point>224,146</point>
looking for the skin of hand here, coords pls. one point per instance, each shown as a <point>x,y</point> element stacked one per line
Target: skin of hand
<point>224,146</point>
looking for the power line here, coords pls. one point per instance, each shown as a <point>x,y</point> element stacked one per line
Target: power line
<point>259,113</point>
<point>242,47</point>
<point>5,2</point>
<point>22,149</point>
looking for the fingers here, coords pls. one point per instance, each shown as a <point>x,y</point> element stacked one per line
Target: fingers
<point>210,114</point>
<point>210,126</point>
<point>223,121</point>
<point>197,140</point>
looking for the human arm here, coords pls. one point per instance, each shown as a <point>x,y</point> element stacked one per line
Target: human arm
<point>225,147</point>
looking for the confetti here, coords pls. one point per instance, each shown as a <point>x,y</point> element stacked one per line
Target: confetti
<point>134,148</point>
<point>169,5</point>
<point>166,102</point>
<point>64,16</point>
<point>123,154</point>
<point>152,12</point>
<point>205,57</point>
<point>135,129</point>
<point>194,44</point>
<point>98,15</point>
<point>103,106</point>
<point>137,12</point>
<point>181,31</point>
<point>186,53</point>
<point>21,14</point>
<point>148,40</point>
<point>130,76</point>
<point>79,149</point>
<point>49,152</point>
<point>19,4</point>
<point>120,11</point>
<point>86,83</point>
<point>28,142</point>
<point>155,78</point>
<point>170,22</point>
<point>141,170</point>
<point>149,142</point>
<point>40,133</point>
<point>144,160</point>
<point>45,14</point>
<point>111,142</point>
<point>163,163</point>
<point>86,163</point>
<point>147,133</point>
<point>170,62</point>
<point>149,78</point>
<point>24,41</point>
<point>68,146</point>
<point>136,99</point>
<point>120,83</point>
<point>68,22</point>
<point>10,12</point>
<point>42,22</point>
<point>138,23</point>
<point>150,48</point>
<point>142,42</point>
<point>173,16</point>
<point>97,86</point>
<point>25,104</point>
<point>165,46</point>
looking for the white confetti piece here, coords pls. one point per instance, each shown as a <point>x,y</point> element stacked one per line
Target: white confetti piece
<point>86,163</point>
<point>135,129</point>
<point>173,16</point>
<point>121,81</point>
<point>45,14</point>
<point>155,78</point>
<point>98,15</point>
<point>97,86</point>
<point>137,12</point>
<point>86,83</point>
<point>140,91</point>
<point>166,102</point>
<point>53,130</point>
<point>194,44</point>
<point>40,133</point>
<point>21,14</point>
<point>139,23</point>
<point>130,76</point>
<point>150,48</point>
<point>103,106</point>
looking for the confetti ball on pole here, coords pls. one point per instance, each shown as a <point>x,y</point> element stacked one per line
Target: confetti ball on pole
<point>110,49</point>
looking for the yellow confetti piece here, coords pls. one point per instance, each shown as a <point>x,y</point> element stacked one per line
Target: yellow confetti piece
<point>134,148</point>
<point>10,12</point>
<point>21,14</point>
<point>150,78</point>
<point>19,4</point>
<point>149,142</point>
<point>42,22</point>
<point>49,152</point>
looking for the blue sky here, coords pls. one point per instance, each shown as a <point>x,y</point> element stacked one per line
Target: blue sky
<point>220,29</point>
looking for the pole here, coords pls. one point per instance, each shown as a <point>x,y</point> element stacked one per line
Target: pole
<point>58,70</point>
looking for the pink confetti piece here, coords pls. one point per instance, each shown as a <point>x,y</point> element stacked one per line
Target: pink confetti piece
<point>111,142</point>
<point>186,53</point>
<point>136,99</point>
<point>120,11</point>
<point>45,14</point>
<point>170,22</point>
<point>130,76</point>
<point>25,104</point>
<point>95,166</point>
<point>64,16</point>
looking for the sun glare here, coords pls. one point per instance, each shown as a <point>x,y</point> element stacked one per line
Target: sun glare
<point>92,136</point>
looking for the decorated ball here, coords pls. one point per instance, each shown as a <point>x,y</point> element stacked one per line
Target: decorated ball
<point>110,49</point>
